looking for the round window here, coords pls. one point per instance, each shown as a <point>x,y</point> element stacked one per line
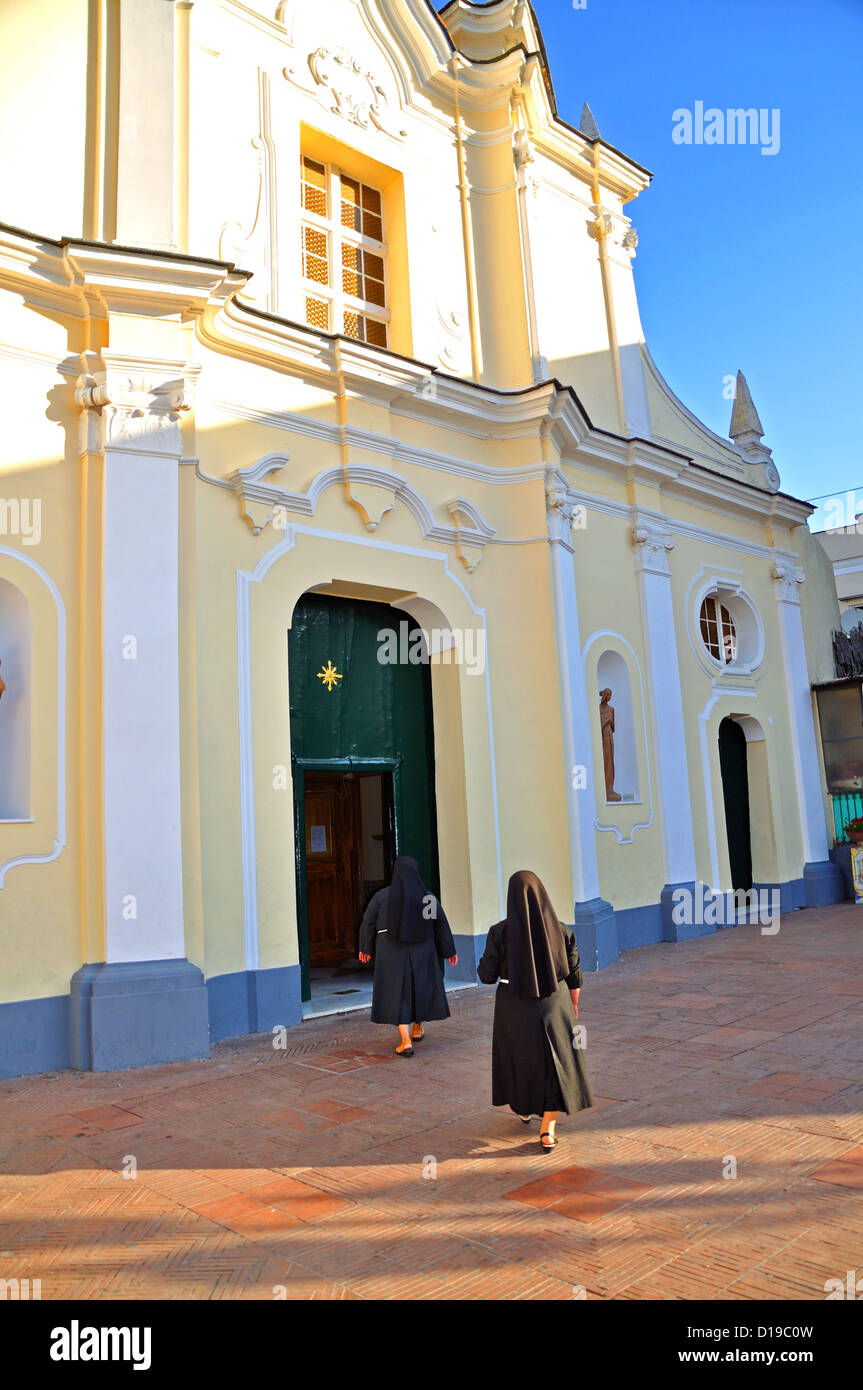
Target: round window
<point>718,632</point>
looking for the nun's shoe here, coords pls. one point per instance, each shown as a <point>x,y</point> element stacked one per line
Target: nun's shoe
<point>547,1148</point>
<point>417,1037</point>
<point>525,1119</point>
<point>404,1052</point>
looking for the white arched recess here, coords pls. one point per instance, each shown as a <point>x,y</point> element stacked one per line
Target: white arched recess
<point>622,818</point>
<point>776,856</point>
<point>33,606</point>
<point>465,779</point>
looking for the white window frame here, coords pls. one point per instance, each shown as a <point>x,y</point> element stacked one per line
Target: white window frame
<point>332,294</point>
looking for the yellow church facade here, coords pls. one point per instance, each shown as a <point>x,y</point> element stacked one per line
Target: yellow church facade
<point>318,331</point>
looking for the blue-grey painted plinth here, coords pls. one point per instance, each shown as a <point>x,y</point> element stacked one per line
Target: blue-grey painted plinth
<point>137,1014</point>
<point>34,1036</point>
<point>596,933</point>
<point>690,908</point>
<point>469,950</point>
<point>824,883</point>
<point>80,991</point>
<point>254,1001</point>
<point>841,856</point>
<point>792,894</point>
<point>638,926</point>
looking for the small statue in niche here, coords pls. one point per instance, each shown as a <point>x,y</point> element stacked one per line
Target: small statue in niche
<point>606,723</point>
<point>2,684</point>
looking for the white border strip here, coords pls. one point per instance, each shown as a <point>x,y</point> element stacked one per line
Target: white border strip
<point>641,825</point>
<point>244,660</point>
<point>60,840</point>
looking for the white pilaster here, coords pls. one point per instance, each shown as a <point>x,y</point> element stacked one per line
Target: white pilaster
<point>803,751</point>
<point>146,134</point>
<point>140,404</point>
<point>561,507</point>
<point>653,541</point>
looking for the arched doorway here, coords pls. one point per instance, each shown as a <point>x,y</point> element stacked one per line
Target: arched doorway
<point>362,748</point>
<point>735,791</point>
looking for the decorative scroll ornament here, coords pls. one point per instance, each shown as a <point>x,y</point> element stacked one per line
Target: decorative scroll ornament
<point>130,412</point>
<point>144,415</point>
<point>248,248</point>
<point>653,542</point>
<point>453,321</point>
<point>562,509</point>
<point>471,532</point>
<point>376,490</point>
<point>787,579</point>
<point>630,241</point>
<point>357,94</point>
<point>602,223</point>
<point>523,154</point>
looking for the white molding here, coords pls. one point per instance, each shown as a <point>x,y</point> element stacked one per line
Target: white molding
<point>597,454</point>
<point>249,484</point>
<point>245,579</point>
<point>704,582</point>
<point>572,690</point>
<point>641,825</point>
<point>60,837</point>
<point>805,758</point>
<point>397,452</point>
<point>666,721</point>
<point>704,719</point>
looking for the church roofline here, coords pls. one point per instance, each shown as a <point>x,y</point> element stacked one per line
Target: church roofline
<point>218,292</point>
<point>541,54</point>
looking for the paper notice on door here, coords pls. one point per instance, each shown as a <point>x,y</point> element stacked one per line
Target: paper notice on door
<point>319,839</point>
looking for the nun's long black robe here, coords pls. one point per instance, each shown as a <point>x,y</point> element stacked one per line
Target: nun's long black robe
<point>534,1065</point>
<point>408,986</point>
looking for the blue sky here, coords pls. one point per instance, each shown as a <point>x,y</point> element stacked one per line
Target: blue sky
<point>744,260</point>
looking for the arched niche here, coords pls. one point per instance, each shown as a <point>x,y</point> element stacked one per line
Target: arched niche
<point>15,717</point>
<point>612,673</point>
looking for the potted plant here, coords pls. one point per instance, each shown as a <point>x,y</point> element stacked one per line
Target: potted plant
<point>854,831</point>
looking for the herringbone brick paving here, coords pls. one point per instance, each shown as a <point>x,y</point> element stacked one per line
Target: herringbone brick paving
<point>723,1159</point>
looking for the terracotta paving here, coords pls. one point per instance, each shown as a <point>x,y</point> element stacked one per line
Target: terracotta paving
<point>723,1160</point>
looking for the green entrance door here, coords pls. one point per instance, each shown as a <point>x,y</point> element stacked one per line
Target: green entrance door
<point>735,789</point>
<point>363,765</point>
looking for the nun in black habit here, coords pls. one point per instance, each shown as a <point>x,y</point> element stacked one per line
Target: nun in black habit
<point>405,929</point>
<point>537,1068</point>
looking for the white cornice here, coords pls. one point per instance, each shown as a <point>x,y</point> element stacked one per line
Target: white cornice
<point>93,278</point>
<point>89,279</point>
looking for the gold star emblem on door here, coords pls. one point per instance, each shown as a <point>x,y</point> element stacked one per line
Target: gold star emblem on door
<point>330,676</point>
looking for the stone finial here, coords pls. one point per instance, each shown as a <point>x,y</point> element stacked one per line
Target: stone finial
<point>746,431</point>
<point>587,125</point>
<point>744,416</point>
